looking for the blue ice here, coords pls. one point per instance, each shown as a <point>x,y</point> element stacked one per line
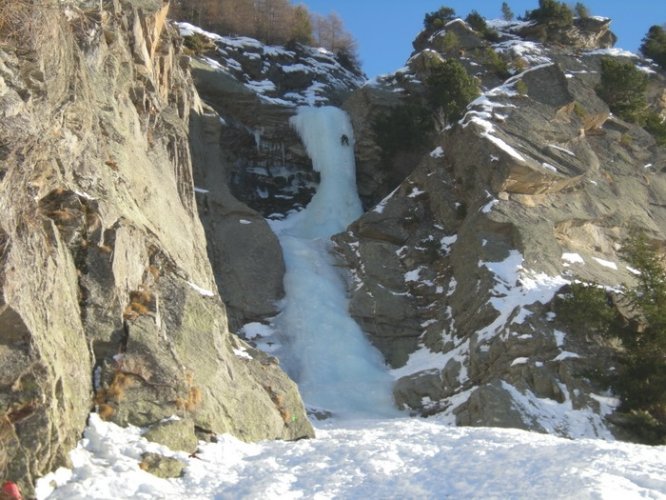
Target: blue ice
<point>324,350</point>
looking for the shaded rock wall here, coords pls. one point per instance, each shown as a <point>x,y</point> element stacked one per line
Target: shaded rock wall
<point>260,168</point>
<point>244,252</point>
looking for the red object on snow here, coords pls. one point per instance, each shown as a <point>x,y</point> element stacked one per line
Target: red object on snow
<point>11,490</point>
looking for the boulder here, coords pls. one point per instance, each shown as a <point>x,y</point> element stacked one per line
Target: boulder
<point>175,434</point>
<point>161,466</point>
<point>492,406</point>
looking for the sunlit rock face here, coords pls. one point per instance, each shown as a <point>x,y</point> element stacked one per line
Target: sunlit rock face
<point>107,296</point>
<point>455,269</point>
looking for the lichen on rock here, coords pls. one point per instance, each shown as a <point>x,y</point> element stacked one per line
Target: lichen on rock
<point>108,296</point>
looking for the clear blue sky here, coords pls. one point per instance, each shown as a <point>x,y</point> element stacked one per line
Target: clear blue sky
<point>385,29</point>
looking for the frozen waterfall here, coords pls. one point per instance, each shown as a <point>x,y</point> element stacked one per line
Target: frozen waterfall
<point>324,349</point>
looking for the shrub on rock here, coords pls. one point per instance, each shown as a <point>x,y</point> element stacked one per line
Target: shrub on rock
<point>654,45</point>
<point>437,19</point>
<point>623,87</point>
<point>551,13</point>
<point>451,89</point>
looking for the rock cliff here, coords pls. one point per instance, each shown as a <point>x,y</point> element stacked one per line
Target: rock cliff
<point>107,296</point>
<point>454,272</point>
<point>471,229</point>
<point>134,239</point>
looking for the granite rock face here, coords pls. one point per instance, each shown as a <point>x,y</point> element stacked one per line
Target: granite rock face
<point>107,296</point>
<point>453,275</point>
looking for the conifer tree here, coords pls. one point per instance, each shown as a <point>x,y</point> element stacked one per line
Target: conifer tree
<point>640,381</point>
<point>623,87</point>
<point>451,89</point>
<point>507,13</point>
<point>551,13</point>
<point>437,19</point>
<point>476,21</point>
<point>654,45</point>
<point>581,10</point>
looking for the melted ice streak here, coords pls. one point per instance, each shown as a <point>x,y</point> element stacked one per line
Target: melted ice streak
<point>325,351</point>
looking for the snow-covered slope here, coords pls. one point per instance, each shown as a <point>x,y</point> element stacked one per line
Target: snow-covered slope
<point>406,458</point>
<point>278,75</point>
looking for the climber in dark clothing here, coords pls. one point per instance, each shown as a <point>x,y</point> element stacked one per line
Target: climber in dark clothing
<point>344,140</point>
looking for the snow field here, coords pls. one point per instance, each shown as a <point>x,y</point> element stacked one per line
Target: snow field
<point>397,458</point>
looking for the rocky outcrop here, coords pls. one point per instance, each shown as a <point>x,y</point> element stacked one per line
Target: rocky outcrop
<point>453,275</point>
<point>467,240</point>
<point>376,176</point>
<point>296,75</point>
<point>108,299</point>
<point>585,33</point>
<point>461,38</point>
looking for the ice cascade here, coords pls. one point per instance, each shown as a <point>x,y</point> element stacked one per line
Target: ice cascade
<point>324,350</point>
